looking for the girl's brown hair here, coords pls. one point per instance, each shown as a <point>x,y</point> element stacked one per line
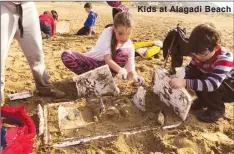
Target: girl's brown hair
<point>54,14</point>
<point>121,19</point>
<point>203,37</point>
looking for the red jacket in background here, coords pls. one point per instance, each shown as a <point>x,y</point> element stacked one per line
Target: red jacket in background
<point>48,19</point>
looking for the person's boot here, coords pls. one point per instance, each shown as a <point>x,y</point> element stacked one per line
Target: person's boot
<point>210,115</point>
<point>198,104</point>
<point>54,93</point>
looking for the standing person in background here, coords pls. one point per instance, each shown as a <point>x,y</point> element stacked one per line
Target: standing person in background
<point>21,21</point>
<point>117,7</point>
<point>48,23</point>
<point>88,28</point>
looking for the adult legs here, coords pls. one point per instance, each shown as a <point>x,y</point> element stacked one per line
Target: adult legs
<point>8,29</point>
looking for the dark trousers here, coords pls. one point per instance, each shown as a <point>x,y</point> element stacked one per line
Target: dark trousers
<point>215,99</point>
<point>84,31</point>
<point>79,63</point>
<point>46,28</point>
<point>114,12</point>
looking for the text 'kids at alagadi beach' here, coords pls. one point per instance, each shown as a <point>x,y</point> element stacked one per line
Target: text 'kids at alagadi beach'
<point>185,10</point>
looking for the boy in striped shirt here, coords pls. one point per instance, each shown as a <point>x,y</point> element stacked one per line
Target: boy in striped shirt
<point>210,73</point>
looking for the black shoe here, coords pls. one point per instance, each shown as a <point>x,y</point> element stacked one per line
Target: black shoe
<point>210,115</point>
<point>54,93</point>
<point>198,104</point>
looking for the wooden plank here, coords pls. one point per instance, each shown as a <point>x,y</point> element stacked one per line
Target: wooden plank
<point>177,99</point>
<point>139,98</point>
<point>41,119</point>
<point>46,131</point>
<point>70,118</point>
<point>97,82</point>
<point>75,141</point>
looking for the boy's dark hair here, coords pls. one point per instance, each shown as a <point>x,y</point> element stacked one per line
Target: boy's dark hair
<point>203,37</point>
<point>88,5</point>
<point>54,14</point>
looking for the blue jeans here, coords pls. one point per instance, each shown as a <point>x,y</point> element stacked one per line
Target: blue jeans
<point>46,28</point>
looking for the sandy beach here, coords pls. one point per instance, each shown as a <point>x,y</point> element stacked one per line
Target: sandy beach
<point>188,138</point>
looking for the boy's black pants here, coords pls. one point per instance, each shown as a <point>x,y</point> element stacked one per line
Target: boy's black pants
<point>84,31</point>
<point>215,99</point>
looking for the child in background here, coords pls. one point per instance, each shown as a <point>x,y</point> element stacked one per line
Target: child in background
<point>210,73</point>
<point>117,7</point>
<point>88,28</point>
<point>47,23</point>
<point>113,47</point>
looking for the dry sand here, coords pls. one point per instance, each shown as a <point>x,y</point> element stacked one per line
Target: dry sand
<point>186,139</point>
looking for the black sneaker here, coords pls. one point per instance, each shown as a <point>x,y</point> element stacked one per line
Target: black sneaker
<point>54,93</point>
<point>198,104</point>
<point>210,115</point>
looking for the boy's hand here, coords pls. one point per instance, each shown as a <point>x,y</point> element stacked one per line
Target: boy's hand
<point>177,83</point>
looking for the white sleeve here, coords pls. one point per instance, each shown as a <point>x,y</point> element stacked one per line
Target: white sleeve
<point>130,66</point>
<point>104,42</point>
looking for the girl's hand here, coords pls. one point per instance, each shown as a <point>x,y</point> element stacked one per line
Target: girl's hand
<point>139,79</point>
<point>177,83</point>
<point>123,74</point>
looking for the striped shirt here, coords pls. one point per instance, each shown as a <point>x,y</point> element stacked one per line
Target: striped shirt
<point>218,68</point>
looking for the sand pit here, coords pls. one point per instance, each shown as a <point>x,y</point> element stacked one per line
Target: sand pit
<point>184,139</point>
<point>86,118</point>
<point>177,99</point>
<point>97,82</point>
